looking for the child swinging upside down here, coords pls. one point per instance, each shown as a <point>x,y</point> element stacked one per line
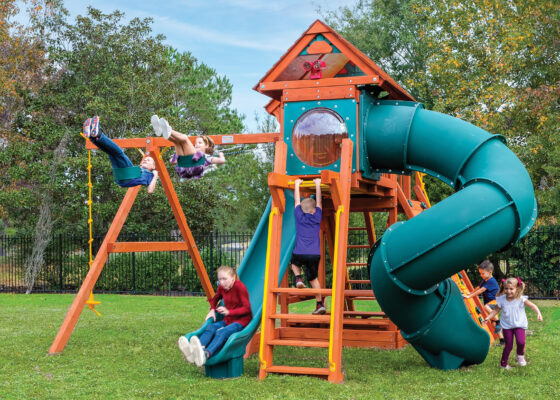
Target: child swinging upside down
<point>125,174</point>
<point>192,160</point>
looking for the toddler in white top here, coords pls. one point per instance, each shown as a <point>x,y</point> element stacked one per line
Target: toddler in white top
<point>511,303</point>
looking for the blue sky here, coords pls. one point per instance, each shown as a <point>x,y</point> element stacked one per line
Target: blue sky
<point>240,39</point>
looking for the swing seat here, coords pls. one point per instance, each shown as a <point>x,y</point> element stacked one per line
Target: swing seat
<point>187,161</point>
<point>122,174</point>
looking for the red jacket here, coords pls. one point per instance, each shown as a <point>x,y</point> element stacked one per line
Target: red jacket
<point>236,300</point>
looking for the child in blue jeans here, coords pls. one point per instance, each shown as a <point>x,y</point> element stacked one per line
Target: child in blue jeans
<point>237,315</point>
<point>147,175</point>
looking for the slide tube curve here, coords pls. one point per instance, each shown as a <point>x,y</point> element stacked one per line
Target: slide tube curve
<point>494,206</point>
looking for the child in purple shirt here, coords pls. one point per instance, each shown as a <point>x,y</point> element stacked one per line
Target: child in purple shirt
<point>307,251</point>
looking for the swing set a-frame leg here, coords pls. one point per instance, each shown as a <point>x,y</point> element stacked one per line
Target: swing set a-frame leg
<point>89,282</point>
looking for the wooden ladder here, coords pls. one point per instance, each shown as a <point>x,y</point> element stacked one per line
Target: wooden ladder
<point>271,336</point>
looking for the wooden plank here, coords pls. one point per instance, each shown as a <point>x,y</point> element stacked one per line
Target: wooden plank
<point>299,343</point>
<point>285,369</point>
<point>359,281</point>
<point>302,317</point>
<point>303,292</point>
<point>247,138</point>
<point>365,314</point>
<point>268,86</point>
<point>359,293</point>
<point>138,247</point>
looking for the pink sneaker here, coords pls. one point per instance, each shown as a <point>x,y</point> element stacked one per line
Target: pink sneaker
<point>94,129</point>
<point>87,127</point>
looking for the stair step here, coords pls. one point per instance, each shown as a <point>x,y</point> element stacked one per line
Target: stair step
<point>365,322</point>
<point>364,314</point>
<point>303,317</point>
<point>365,293</point>
<point>285,369</point>
<point>356,264</point>
<point>298,343</point>
<point>359,281</point>
<point>358,246</point>
<point>303,292</point>
<point>310,318</point>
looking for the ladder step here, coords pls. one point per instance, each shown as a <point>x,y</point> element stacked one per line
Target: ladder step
<point>364,314</point>
<point>358,228</point>
<point>303,317</point>
<point>298,343</point>
<point>366,293</point>
<point>303,292</point>
<point>356,264</point>
<point>358,246</point>
<point>285,369</point>
<point>359,281</point>
<point>366,322</point>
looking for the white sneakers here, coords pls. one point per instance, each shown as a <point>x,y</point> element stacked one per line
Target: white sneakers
<point>161,126</point>
<point>198,352</point>
<point>186,349</point>
<point>521,361</point>
<point>193,352</point>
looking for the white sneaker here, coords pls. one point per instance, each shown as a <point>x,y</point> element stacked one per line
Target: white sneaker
<point>521,361</point>
<point>198,352</point>
<point>155,124</point>
<point>164,128</point>
<point>186,349</point>
<point>507,368</point>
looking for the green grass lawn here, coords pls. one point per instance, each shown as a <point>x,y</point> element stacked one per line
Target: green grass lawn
<point>130,353</point>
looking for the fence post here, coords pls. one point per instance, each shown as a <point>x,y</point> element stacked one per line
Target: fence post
<point>211,255</point>
<point>60,260</point>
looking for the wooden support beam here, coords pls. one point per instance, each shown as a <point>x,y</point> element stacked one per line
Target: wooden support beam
<point>139,247</point>
<point>79,302</point>
<point>183,226</point>
<point>157,142</point>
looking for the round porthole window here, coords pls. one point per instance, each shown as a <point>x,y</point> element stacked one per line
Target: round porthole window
<point>317,136</point>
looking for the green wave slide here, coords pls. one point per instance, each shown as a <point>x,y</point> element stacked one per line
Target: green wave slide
<point>493,207</point>
<point>228,362</point>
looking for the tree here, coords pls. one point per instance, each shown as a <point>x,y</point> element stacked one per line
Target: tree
<point>98,65</point>
<point>492,63</point>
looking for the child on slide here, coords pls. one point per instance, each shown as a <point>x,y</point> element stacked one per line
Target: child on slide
<point>192,160</point>
<point>237,313</point>
<point>147,174</point>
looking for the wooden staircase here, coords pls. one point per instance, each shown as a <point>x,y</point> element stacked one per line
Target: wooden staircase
<point>345,324</point>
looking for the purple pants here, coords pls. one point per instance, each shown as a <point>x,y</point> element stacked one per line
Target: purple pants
<point>519,334</point>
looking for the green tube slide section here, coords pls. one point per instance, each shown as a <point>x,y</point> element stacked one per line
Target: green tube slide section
<point>493,207</point>
<point>228,362</point>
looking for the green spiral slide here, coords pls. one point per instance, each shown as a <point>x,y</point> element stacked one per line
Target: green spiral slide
<point>493,207</point>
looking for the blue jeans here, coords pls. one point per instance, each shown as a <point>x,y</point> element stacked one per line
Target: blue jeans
<point>116,156</point>
<point>216,334</point>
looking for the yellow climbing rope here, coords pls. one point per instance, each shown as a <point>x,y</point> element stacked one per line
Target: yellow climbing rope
<point>91,302</point>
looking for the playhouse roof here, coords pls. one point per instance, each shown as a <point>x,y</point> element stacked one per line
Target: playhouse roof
<point>344,65</point>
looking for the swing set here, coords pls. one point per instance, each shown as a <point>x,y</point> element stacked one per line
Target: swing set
<point>154,147</point>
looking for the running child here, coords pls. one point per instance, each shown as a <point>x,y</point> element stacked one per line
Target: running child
<point>511,303</point>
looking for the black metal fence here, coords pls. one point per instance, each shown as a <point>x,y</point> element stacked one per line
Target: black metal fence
<point>535,259</point>
<point>169,273</point>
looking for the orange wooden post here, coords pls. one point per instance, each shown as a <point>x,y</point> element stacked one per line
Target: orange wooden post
<point>337,306</point>
<point>183,226</point>
<point>89,282</point>
<point>279,204</point>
